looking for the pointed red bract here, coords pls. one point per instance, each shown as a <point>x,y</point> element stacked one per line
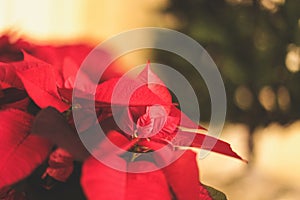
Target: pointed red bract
<point>40,85</point>
<point>213,144</point>
<point>183,176</point>
<point>141,96</point>
<point>21,152</point>
<point>147,186</point>
<point>155,84</point>
<point>103,182</point>
<point>199,140</point>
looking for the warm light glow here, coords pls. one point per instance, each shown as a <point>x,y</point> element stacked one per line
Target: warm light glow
<point>267,98</point>
<point>271,5</point>
<point>277,150</point>
<point>243,97</point>
<point>43,19</point>
<point>64,20</point>
<point>292,60</point>
<point>284,98</point>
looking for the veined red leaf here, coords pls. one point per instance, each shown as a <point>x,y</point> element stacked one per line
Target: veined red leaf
<point>40,85</point>
<point>147,186</point>
<point>102,182</point>
<point>183,177</point>
<point>21,152</point>
<point>213,144</point>
<point>199,140</point>
<point>155,84</point>
<point>146,89</point>
<point>141,96</point>
<point>8,71</point>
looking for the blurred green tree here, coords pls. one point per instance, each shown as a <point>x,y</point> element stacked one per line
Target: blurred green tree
<point>256,46</point>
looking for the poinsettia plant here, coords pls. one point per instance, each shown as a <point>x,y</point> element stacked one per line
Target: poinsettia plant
<point>37,127</point>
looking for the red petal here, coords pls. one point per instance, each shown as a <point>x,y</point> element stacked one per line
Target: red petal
<point>145,89</point>
<point>155,84</point>
<point>102,182</point>
<point>183,177</point>
<point>152,121</point>
<point>210,143</point>
<point>20,151</point>
<point>146,186</point>
<point>141,96</point>
<point>40,85</point>
<point>200,140</point>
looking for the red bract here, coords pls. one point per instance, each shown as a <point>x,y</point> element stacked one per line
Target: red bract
<point>150,185</point>
<point>40,84</point>
<point>102,182</point>
<point>21,152</point>
<point>145,127</point>
<point>34,76</point>
<point>179,180</point>
<point>159,126</point>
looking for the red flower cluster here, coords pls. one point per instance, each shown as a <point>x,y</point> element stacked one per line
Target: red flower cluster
<point>36,85</point>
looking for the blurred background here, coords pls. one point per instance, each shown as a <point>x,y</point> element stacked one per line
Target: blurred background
<point>256,46</point>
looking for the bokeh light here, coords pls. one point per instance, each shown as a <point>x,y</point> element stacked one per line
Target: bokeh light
<point>292,60</point>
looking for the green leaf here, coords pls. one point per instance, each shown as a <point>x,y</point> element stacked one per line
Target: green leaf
<point>215,194</point>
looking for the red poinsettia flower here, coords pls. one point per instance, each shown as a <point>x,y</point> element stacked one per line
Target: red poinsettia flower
<point>151,123</point>
<point>150,130</point>
<point>144,127</point>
